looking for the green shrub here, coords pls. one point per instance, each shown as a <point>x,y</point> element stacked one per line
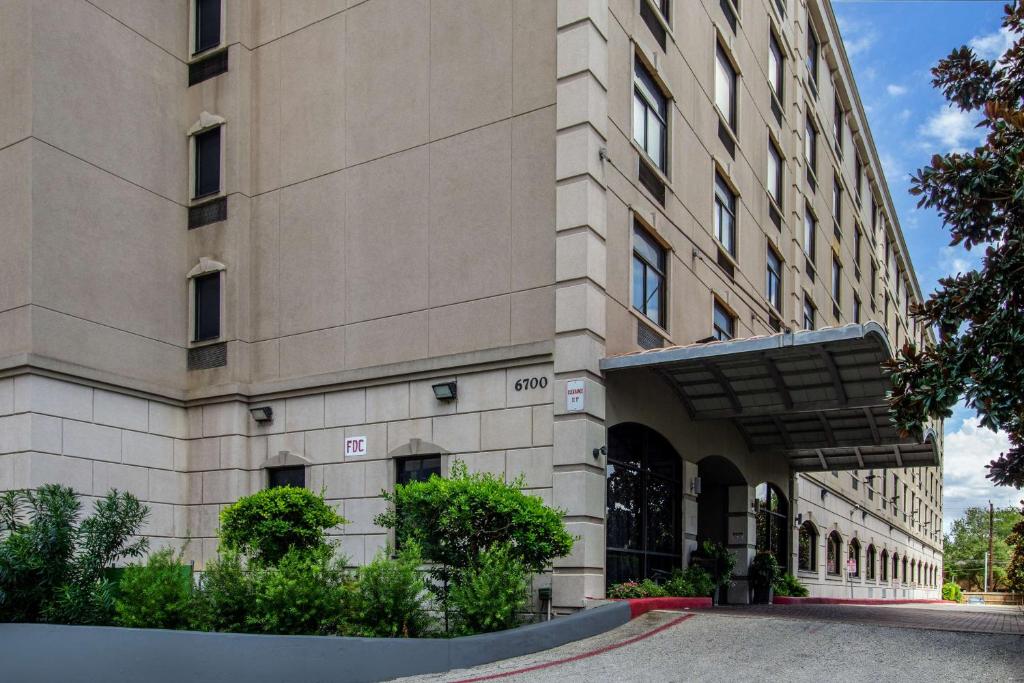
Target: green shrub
<point>693,582</point>
<point>391,595</point>
<point>788,585</point>
<point>635,589</point>
<point>716,559</point>
<point>53,563</point>
<point>454,519</point>
<point>223,600</point>
<point>951,591</point>
<point>308,592</point>
<point>267,524</point>
<point>491,593</point>
<point>764,570</point>
<point>157,594</point>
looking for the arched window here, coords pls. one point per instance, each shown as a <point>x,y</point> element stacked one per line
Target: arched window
<point>853,553</point>
<point>772,522</point>
<point>871,563</point>
<point>904,574</point>
<point>885,565</point>
<point>644,504</point>
<point>808,559</point>
<point>895,567</point>
<point>834,554</point>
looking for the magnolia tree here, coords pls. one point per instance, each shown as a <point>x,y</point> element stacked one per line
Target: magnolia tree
<point>978,316</point>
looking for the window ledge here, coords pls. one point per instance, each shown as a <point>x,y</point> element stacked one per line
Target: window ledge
<point>724,120</point>
<point>646,158</point>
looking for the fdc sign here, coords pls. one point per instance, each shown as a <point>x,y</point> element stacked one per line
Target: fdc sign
<point>355,446</point>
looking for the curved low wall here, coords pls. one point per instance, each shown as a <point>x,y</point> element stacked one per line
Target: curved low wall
<point>31,653</point>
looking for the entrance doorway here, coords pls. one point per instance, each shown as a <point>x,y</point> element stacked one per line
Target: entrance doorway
<point>717,476</point>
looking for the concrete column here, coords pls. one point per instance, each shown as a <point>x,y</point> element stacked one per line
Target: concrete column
<point>742,540</point>
<point>690,511</point>
<point>578,485</point>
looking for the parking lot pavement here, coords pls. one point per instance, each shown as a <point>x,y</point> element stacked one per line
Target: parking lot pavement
<point>755,643</point>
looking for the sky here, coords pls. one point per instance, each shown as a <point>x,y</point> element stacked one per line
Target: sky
<point>892,45</point>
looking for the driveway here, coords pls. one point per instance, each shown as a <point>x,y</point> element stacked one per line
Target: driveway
<point>792,643</point>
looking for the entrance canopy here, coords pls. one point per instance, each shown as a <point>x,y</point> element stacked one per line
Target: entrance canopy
<point>816,396</point>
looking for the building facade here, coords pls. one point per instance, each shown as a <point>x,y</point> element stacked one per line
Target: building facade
<point>346,243</point>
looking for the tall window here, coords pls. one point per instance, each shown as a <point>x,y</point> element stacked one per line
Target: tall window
<point>644,504</point>
<point>808,553</point>
<point>725,215</point>
<point>650,116</point>
<point>773,279</point>
<point>871,563</point>
<point>813,55</point>
<point>837,201</point>
<point>207,307</point>
<point>725,87</point>
<point>837,279</point>
<point>776,67</point>
<point>837,127</point>
<point>810,235</point>
<point>294,475</point>
<point>809,313</point>
<point>207,163</point>
<point>895,567</point>
<point>811,148</point>
<point>884,565</point>
<point>648,276</point>
<point>724,325</point>
<point>772,522</point>
<point>853,553</point>
<point>834,554</point>
<point>207,28</point>
<point>860,179</point>
<point>903,574</point>
<point>774,172</point>
<point>856,308</point>
<point>858,235</point>
<point>874,281</point>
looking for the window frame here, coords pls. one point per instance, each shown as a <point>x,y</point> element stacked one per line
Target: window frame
<point>660,270</point>
<point>813,60</point>
<point>198,307</point>
<point>723,206</point>
<point>199,193</point>
<point>837,279</point>
<point>641,75</point>
<point>724,59</point>
<point>779,180</point>
<point>774,301</point>
<point>778,90</point>
<point>285,470</point>
<point>838,125</point>
<point>420,459</point>
<point>837,199</point>
<point>811,134</point>
<point>720,311</point>
<point>811,544</point>
<point>206,267</point>
<point>195,49</point>
<point>810,241</point>
<point>810,313</point>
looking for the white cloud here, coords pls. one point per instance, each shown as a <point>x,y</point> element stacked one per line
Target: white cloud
<point>905,115</point>
<point>955,260</point>
<point>993,45</point>
<point>858,35</point>
<point>967,451</point>
<point>951,128</point>
<point>896,90</point>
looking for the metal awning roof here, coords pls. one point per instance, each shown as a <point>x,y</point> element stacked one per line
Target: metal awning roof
<point>816,396</point>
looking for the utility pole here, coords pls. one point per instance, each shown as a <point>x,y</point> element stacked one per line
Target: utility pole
<point>989,556</point>
<point>985,586</point>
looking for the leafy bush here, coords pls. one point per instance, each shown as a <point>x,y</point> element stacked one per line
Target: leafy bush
<point>764,570</point>
<point>455,519</point>
<point>157,594</point>
<point>716,559</point>
<point>693,582</point>
<point>635,589</point>
<point>267,524</point>
<point>491,594</point>
<point>224,598</point>
<point>951,591</point>
<point>391,594</point>
<point>52,565</point>
<point>788,585</point>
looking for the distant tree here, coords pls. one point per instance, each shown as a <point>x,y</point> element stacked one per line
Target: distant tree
<point>978,315</point>
<point>966,544</point>
<point>1015,572</point>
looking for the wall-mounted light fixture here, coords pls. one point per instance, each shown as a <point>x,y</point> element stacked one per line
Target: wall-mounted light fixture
<point>598,452</point>
<point>262,413</point>
<point>799,519</point>
<point>823,494</point>
<point>695,486</point>
<point>445,391</point>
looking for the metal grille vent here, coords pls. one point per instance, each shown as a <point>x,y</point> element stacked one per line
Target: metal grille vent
<point>208,67</point>
<point>210,212</point>
<point>648,338</point>
<point>652,182</point>
<point>775,216</point>
<point>727,140</point>
<point>205,357</point>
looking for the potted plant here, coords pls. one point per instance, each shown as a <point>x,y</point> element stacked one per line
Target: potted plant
<point>716,560</point>
<point>764,573</point>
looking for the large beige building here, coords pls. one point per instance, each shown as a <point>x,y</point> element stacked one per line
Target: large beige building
<point>346,242</point>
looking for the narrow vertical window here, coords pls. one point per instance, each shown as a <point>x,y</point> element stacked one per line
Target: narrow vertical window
<point>773,277</point>
<point>860,179</point>
<point>776,67</point>
<point>207,28</point>
<point>856,309</point>
<point>725,87</point>
<point>809,312</point>
<point>650,116</point>
<point>837,278</point>
<point>724,324</point>
<point>648,276</point>
<point>874,282</point>
<point>811,149</point>
<point>207,307</point>
<point>857,238</point>
<point>837,127</point>
<point>837,201</point>
<point>207,163</point>
<point>774,173</point>
<point>725,215</point>
<point>810,235</point>
<point>813,52</point>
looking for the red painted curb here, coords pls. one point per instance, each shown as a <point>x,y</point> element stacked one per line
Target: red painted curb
<point>586,655</point>
<point>786,600</point>
<point>638,606</point>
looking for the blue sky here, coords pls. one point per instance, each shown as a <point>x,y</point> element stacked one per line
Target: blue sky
<point>893,45</point>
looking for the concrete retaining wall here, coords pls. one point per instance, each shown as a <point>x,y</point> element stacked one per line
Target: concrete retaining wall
<point>38,653</point>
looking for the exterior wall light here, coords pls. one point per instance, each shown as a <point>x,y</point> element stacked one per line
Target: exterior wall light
<point>262,414</point>
<point>445,391</point>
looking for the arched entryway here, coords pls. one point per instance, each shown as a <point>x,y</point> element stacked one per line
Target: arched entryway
<point>722,509</point>
<point>643,505</point>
